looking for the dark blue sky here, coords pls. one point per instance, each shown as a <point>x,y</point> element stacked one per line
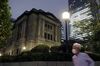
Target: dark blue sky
<point>54,6</point>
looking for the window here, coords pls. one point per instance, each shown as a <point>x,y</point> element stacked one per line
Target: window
<point>49,31</point>
<point>17,51</point>
<point>48,26</point>
<point>86,12</point>
<point>48,36</point>
<point>45,35</point>
<point>76,16</point>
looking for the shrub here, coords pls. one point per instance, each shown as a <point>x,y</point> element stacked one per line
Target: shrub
<point>55,49</point>
<point>7,58</point>
<point>40,48</point>
<point>43,57</point>
<point>48,57</point>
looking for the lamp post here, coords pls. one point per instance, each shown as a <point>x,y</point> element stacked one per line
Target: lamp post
<point>66,17</point>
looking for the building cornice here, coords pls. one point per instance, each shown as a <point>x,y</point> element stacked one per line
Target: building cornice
<point>35,11</point>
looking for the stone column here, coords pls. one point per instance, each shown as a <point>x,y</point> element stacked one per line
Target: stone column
<point>23,31</point>
<point>43,28</point>
<point>38,30</point>
<point>55,33</point>
<point>58,34</point>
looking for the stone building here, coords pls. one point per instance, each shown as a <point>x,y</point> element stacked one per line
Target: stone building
<point>33,28</point>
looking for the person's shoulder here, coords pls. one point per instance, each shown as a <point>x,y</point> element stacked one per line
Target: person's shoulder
<point>74,56</point>
<point>84,54</point>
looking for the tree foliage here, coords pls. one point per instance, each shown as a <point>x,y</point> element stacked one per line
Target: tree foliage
<point>5,24</point>
<point>83,29</point>
<point>89,29</point>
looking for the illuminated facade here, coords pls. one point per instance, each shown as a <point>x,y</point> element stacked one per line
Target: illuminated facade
<point>33,28</point>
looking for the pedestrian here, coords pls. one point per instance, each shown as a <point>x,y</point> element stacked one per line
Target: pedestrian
<point>80,58</point>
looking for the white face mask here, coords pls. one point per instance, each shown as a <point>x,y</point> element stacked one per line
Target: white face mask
<point>74,51</point>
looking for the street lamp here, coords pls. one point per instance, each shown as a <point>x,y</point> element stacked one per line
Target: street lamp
<point>66,17</point>
<point>24,48</point>
<point>0,54</point>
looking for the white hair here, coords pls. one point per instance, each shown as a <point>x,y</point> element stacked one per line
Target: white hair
<point>77,45</point>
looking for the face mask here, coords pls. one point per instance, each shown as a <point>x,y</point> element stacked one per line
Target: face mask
<point>74,51</point>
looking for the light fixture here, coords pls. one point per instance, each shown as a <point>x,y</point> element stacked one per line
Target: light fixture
<point>0,54</point>
<point>66,15</point>
<point>24,48</point>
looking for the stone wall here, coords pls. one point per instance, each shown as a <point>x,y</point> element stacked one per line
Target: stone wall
<point>41,63</point>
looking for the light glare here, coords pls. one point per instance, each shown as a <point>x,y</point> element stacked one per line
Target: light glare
<point>66,15</point>
<point>24,48</point>
<point>0,54</point>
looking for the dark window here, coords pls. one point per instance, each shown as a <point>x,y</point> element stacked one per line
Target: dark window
<point>48,36</point>
<point>45,35</point>
<point>51,37</point>
<point>17,51</point>
<point>46,25</point>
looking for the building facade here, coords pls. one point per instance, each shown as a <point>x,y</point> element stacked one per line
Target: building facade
<point>33,28</point>
<point>82,10</point>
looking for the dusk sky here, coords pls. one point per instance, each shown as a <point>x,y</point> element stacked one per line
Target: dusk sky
<point>54,6</point>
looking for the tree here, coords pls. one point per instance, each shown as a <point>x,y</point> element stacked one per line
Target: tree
<point>5,24</point>
<point>89,29</point>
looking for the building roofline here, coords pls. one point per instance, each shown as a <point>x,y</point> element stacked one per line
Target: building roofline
<point>40,11</point>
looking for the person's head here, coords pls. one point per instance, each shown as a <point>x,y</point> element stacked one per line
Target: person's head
<point>76,48</point>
